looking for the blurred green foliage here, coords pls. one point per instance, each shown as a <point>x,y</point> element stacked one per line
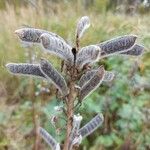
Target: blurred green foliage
<point>125,102</point>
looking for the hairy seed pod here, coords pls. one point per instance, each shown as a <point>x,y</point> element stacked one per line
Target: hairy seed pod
<point>86,77</point>
<point>25,69</point>
<point>91,126</point>
<point>92,84</point>
<point>136,50</point>
<point>31,35</point>
<point>56,46</point>
<point>51,73</point>
<point>87,55</point>
<point>49,139</point>
<point>74,133</point>
<point>108,76</point>
<point>117,45</point>
<point>82,25</point>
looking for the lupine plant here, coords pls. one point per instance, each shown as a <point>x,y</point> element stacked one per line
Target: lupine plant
<point>78,78</point>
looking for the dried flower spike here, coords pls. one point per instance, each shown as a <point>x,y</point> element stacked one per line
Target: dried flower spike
<point>25,69</point>
<point>56,46</point>
<point>51,73</point>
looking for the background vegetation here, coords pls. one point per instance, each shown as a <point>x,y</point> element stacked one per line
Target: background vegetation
<point>125,102</point>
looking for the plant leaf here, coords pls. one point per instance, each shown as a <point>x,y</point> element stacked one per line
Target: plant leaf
<point>56,46</point>
<point>92,84</point>
<point>25,69</point>
<point>49,139</point>
<point>51,73</point>
<point>82,25</point>
<point>117,45</point>
<point>91,126</point>
<point>87,55</point>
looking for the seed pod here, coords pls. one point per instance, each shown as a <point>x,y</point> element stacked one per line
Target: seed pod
<point>89,74</point>
<point>25,69</point>
<point>31,35</point>
<point>49,139</point>
<point>91,126</point>
<point>92,84</point>
<point>117,45</point>
<point>51,73</point>
<point>136,50</point>
<point>56,46</point>
<point>82,25</point>
<point>86,77</point>
<point>87,55</point>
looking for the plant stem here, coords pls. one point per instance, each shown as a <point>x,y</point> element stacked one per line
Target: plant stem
<point>34,115</point>
<point>77,43</point>
<point>70,111</point>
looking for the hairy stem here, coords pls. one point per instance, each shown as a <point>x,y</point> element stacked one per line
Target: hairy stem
<point>77,43</point>
<point>70,111</point>
<point>34,115</point>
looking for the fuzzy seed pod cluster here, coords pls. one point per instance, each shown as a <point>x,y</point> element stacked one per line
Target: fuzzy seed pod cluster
<point>79,62</point>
